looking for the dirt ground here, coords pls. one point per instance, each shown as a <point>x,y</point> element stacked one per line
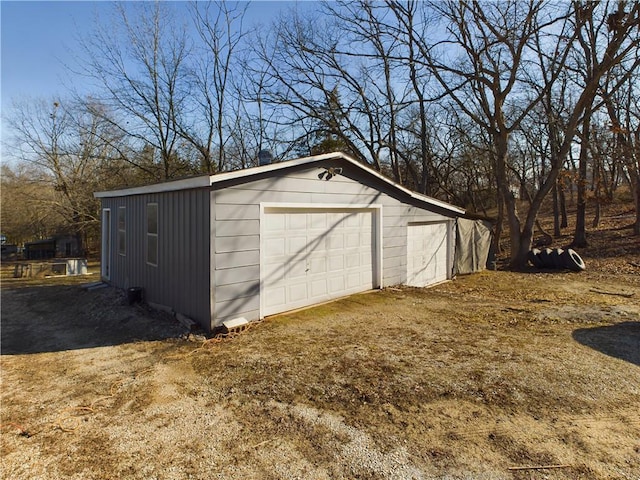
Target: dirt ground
<point>479,378</point>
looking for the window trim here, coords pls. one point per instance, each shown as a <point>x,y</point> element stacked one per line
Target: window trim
<point>122,232</point>
<point>106,244</point>
<point>150,235</point>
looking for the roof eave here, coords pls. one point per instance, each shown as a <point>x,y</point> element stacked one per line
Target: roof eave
<point>174,185</point>
<point>210,180</point>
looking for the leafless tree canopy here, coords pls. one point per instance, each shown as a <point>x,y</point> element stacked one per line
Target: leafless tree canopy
<point>490,105</point>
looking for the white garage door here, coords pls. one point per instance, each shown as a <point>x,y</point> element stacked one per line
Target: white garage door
<point>427,248</point>
<point>310,256</point>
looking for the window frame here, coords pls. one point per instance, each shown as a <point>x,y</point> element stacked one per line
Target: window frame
<point>151,235</point>
<point>122,231</point>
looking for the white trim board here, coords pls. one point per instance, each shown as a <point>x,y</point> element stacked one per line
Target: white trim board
<point>267,208</point>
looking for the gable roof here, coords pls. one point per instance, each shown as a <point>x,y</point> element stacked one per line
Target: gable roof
<point>247,174</point>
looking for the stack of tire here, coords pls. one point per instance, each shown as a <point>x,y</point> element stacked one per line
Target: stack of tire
<point>556,258</point>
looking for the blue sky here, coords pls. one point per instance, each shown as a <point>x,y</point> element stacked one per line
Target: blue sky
<point>39,38</point>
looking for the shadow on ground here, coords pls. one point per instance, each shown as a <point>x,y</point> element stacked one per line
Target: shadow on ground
<point>621,340</point>
<point>51,318</point>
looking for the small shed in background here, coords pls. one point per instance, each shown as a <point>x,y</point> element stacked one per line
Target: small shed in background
<point>40,249</point>
<point>59,246</point>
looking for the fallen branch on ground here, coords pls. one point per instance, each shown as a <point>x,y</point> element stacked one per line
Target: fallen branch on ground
<point>618,294</point>
<point>260,444</point>
<point>221,337</point>
<point>69,419</point>
<point>539,467</point>
<point>20,429</point>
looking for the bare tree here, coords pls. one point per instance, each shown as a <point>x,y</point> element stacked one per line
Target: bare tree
<point>495,60</point>
<point>68,154</point>
<point>553,111</point>
<point>378,57</point>
<point>137,61</point>
<point>605,165</point>
<point>26,194</point>
<point>209,126</point>
<point>623,110</point>
<point>321,85</point>
<point>471,181</point>
<point>618,31</point>
<point>412,24</point>
<point>586,63</point>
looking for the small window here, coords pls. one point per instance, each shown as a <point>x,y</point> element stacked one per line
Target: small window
<point>152,234</point>
<point>122,230</point>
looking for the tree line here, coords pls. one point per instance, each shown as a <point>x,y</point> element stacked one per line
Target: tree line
<point>491,105</point>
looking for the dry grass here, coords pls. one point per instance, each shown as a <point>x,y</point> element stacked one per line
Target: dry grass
<point>463,380</point>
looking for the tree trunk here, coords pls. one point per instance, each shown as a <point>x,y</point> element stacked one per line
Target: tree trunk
<point>635,189</point>
<point>520,242</point>
<point>580,235</point>
<point>636,226</point>
<point>633,159</point>
<point>597,185</point>
<point>499,222</point>
<point>563,208</point>
<point>596,217</point>
<point>517,259</point>
<point>573,169</point>
<point>556,212</point>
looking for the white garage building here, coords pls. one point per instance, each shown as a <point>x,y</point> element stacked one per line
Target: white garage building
<point>273,238</point>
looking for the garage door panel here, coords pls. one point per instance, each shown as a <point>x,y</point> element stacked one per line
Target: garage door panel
<point>296,270</point>
<point>318,241</point>
<point>296,245</point>
<point>319,288</point>
<point>353,280</point>
<point>298,292</point>
<point>353,240</point>
<point>366,238</point>
<point>353,259</point>
<point>353,220</point>
<point>276,223</point>
<point>335,242</point>
<point>317,265</point>
<point>336,283</point>
<point>276,296</point>
<point>274,272</point>
<point>275,247</point>
<point>327,254</point>
<point>427,254</point>
<point>317,221</point>
<point>334,218</point>
<point>296,222</point>
<point>336,263</point>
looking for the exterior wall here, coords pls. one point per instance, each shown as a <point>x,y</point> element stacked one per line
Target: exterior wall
<point>181,279</point>
<point>236,236</point>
